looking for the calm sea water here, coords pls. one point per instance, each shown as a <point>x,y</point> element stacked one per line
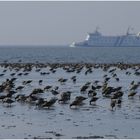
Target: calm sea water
<point>68,55</point>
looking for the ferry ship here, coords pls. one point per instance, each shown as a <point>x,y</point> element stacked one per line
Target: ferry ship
<point>96,39</point>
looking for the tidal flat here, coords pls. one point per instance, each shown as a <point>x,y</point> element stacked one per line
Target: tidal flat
<point>26,90</point>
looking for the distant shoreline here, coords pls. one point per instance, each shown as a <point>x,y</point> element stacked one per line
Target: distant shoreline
<point>58,46</point>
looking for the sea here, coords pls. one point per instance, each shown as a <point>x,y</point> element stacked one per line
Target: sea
<point>65,54</point>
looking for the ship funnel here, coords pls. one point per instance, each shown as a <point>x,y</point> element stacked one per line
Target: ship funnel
<point>129,30</point>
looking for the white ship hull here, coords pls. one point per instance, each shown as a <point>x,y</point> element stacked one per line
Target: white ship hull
<point>96,39</point>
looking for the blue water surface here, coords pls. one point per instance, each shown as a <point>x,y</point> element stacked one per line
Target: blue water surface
<point>70,55</point>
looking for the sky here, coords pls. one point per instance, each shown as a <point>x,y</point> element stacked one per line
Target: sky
<point>62,22</point>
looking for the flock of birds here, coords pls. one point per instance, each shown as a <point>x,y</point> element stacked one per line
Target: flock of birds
<point>10,93</point>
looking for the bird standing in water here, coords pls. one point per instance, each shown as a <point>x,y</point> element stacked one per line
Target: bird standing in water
<point>113,103</point>
<point>78,101</point>
<point>65,96</point>
<point>49,103</point>
<point>131,94</point>
<point>93,99</point>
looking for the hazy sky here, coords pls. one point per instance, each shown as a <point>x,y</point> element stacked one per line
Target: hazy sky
<point>52,23</point>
